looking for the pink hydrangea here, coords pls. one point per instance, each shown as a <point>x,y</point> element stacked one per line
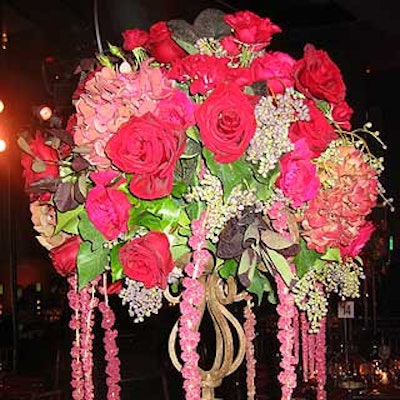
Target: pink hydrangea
<point>349,192</point>
<point>109,100</point>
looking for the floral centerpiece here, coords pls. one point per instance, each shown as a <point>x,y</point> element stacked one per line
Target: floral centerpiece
<point>194,149</point>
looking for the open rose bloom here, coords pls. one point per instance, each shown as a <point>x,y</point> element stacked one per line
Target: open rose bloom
<point>194,144</point>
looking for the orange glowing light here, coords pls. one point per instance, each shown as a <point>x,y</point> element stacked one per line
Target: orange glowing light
<point>1,106</point>
<point>3,145</point>
<point>45,113</point>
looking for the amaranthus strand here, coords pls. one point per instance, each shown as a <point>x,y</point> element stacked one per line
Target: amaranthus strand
<point>286,310</point>
<point>77,382</point>
<point>320,357</point>
<point>192,297</point>
<point>249,331</point>
<point>304,344</point>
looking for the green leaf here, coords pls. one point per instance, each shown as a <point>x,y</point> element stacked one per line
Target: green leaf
<point>89,233</point>
<point>324,106</point>
<point>179,188</point>
<point>272,297</point>
<point>229,268</point>
<point>259,285</point>
<point>68,221</point>
<point>231,174</point>
<point>274,240</point>
<point>188,47</point>
<point>305,260</point>
<point>90,263</point>
<point>140,217</point>
<point>247,266</point>
<point>117,269</point>
<point>332,254</point>
<point>252,234</point>
<point>282,266</point>
<point>179,250</point>
<point>193,133</point>
<point>115,51</point>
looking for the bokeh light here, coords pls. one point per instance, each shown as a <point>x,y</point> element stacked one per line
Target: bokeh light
<point>3,145</point>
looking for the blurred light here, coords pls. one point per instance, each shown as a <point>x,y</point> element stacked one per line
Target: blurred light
<point>45,113</point>
<point>1,106</point>
<point>4,40</point>
<point>391,243</point>
<point>3,145</point>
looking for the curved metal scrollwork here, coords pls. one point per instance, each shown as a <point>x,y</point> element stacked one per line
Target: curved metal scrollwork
<point>219,293</point>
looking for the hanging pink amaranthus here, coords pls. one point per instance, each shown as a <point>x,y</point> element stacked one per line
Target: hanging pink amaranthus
<point>305,326</point>
<point>110,346</point>
<point>192,297</point>
<point>77,379</point>
<point>111,349</point>
<point>286,336</point>
<point>320,359</point>
<point>249,331</point>
<point>88,304</point>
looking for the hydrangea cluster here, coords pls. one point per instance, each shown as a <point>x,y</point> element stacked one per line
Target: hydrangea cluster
<point>349,190</point>
<point>274,116</point>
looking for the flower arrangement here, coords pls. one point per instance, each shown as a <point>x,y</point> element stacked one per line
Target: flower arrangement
<point>194,145</point>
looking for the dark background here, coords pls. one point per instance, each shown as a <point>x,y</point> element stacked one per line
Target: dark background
<point>47,38</point>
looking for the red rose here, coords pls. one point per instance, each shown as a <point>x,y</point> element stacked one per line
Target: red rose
<point>276,68</point>
<point>227,123</point>
<point>251,28</point>
<point>161,45</point>
<point>231,46</point>
<point>134,38</point>
<point>148,259</point>
<point>41,151</point>
<point>316,75</point>
<point>149,148</point>
<point>107,207</point>
<point>64,256</point>
<point>317,132</point>
<point>342,114</point>
<point>204,72</point>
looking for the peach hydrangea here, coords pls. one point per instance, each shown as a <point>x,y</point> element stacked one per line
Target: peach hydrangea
<point>109,100</point>
<point>349,190</point>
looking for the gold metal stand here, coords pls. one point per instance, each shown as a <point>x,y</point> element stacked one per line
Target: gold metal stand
<point>219,293</point>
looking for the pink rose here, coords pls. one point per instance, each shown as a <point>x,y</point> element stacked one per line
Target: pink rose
<point>318,76</point>
<point>107,207</point>
<point>298,175</point>
<point>161,45</point>
<point>64,257</point>
<point>252,29</point>
<point>148,148</point>
<point>134,38</point>
<point>177,109</point>
<point>148,259</point>
<point>41,151</point>
<point>276,68</point>
<point>342,114</point>
<point>317,132</point>
<point>355,247</point>
<point>227,123</point>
